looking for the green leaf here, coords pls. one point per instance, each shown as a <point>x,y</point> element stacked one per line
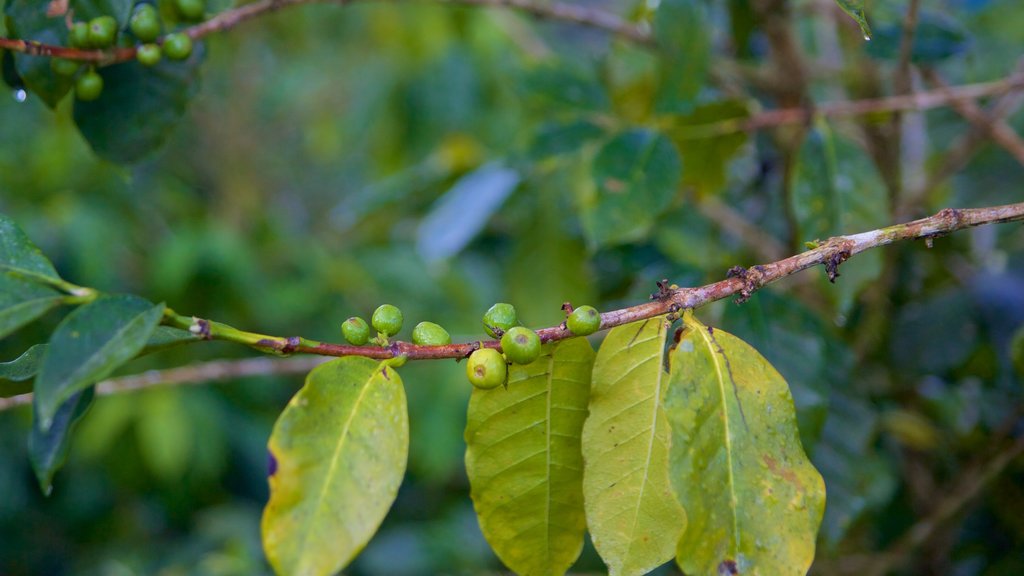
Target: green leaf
<point>633,516</point>
<point>554,139</point>
<point>22,301</point>
<point>28,21</point>
<point>338,456</point>
<point>19,255</point>
<point>88,9</point>
<point>565,87</point>
<point>14,375</point>
<point>139,107</point>
<point>855,8</point>
<point>837,190</point>
<point>1016,352</point>
<point>936,38</point>
<point>49,449</point>
<point>164,337</point>
<point>753,498</point>
<point>684,38</point>
<point>635,175</point>
<point>88,345</point>
<point>524,462</point>
<point>707,154</point>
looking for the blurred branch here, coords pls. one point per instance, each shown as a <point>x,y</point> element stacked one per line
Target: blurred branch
<point>200,373</point>
<point>228,19</point>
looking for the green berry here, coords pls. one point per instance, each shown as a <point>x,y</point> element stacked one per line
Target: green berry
<point>177,46</point>
<point>430,334</point>
<point>520,345</point>
<point>387,319</point>
<point>190,9</point>
<point>145,23</point>
<point>583,321</point>
<point>499,318</point>
<point>355,331</point>
<point>64,67</point>
<point>148,54</point>
<point>102,31</point>
<point>78,36</point>
<point>89,86</point>
<point>486,368</point>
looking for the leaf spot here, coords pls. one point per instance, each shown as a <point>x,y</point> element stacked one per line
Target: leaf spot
<point>727,567</point>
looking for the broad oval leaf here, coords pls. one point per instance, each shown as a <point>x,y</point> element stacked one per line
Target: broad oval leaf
<point>22,301</point>
<point>138,108</point>
<point>88,345</point>
<point>635,177</point>
<point>753,499</point>
<point>524,462</point>
<point>29,20</point>
<point>633,516</point>
<point>49,449</point>
<point>338,454</point>
<point>20,256</point>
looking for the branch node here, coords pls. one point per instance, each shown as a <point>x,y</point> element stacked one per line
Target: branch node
<point>201,328</point>
<point>837,257</point>
<point>753,278</point>
<point>291,344</point>
<point>665,290</point>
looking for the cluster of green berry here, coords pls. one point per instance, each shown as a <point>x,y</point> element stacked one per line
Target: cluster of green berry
<point>387,321</point>
<point>487,368</point>
<point>145,26</point>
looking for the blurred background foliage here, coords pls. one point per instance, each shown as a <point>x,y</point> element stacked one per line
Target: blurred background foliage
<point>443,158</point>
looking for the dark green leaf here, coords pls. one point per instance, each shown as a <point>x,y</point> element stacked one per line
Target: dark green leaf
<point>20,256</point>
<point>15,375</point>
<point>753,499</point>
<point>632,514</point>
<point>88,9</point>
<point>557,138</point>
<point>28,21</point>
<point>683,34</point>
<point>707,155</point>
<point>524,462</point>
<point>49,449</point>
<point>22,301</point>
<point>936,38</point>
<point>635,177</point>
<point>88,345</point>
<point>338,456</point>
<point>567,88</point>
<point>165,337</point>
<point>855,8</point>
<point>139,107</point>
<point>1017,352</point>
<point>9,71</point>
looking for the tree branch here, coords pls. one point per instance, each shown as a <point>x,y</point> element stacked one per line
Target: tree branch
<point>204,372</point>
<point>228,19</point>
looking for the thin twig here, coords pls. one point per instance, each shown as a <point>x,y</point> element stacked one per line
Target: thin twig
<point>741,282</point>
<point>203,372</point>
<point>228,19</point>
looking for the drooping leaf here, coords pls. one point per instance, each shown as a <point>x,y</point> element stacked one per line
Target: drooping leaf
<point>753,499</point>
<point>139,106</point>
<point>28,20</point>
<point>683,34</point>
<point>22,301</point>
<point>635,177</point>
<point>524,461</point>
<point>14,375</point>
<point>338,453</point>
<point>49,449</point>
<point>632,514</point>
<point>88,345</point>
<point>855,8</point>
<point>20,256</point>
<point>459,215</point>
<point>708,155</point>
<point>837,190</point>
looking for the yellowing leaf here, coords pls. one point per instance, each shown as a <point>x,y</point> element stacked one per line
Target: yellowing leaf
<point>753,499</point>
<point>524,462</point>
<point>634,518</point>
<point>338,454</point>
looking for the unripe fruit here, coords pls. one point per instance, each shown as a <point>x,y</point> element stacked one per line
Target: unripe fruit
<point>177,46</point>
<point>499,318</point>
<point>102,31</point>
<point>583,321</point>
<point>486,368</point>
<point>64,67</point>
<point>355,331</point>
<point>387,319</point>
<point>89,86</point>
<point>78,36</point>
<point>148,54</point>
<point>145,23</point>
<point>520,345</point>
<point>190,9</point>
<point>430,334</point>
